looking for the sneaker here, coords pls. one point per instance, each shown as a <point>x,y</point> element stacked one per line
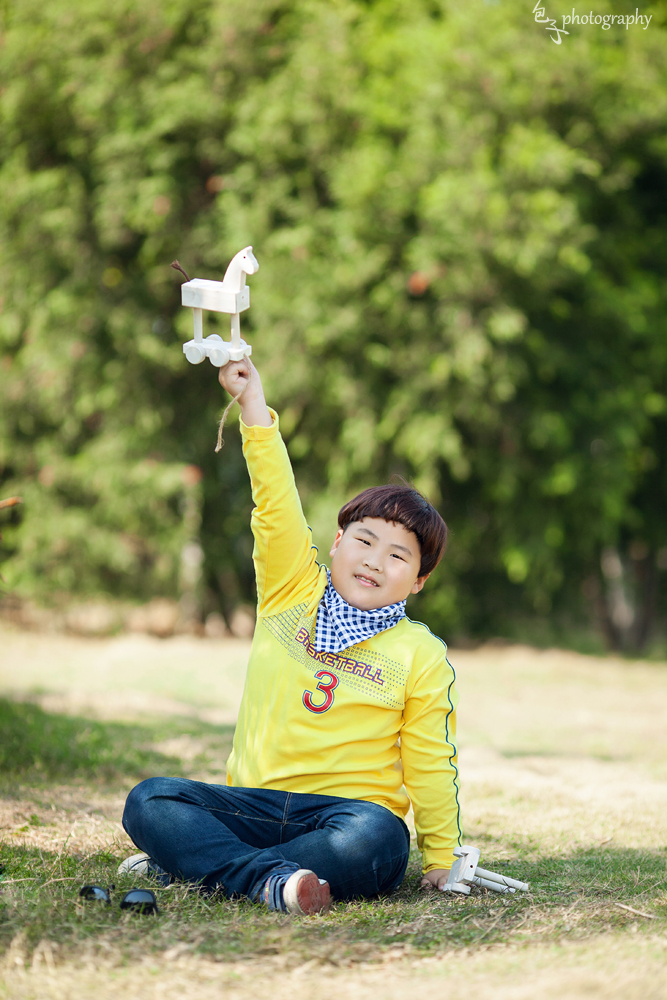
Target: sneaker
<point>137,864</point>
<point>143,864</point>
<point>303,893</point>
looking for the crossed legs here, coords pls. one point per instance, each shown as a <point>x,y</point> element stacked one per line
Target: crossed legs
<point>233,839</point>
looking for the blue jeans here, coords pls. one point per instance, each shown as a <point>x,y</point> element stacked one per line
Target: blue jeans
<point>232,839</point>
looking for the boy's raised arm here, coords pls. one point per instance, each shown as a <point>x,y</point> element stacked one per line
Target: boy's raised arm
<point>285,566</point>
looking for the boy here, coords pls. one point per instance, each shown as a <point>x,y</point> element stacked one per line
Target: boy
<point>346,700</point>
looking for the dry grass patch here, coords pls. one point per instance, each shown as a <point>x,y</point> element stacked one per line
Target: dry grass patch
<point>613,968</point>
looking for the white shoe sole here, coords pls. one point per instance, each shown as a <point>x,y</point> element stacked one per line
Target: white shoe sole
<point>137,864</point>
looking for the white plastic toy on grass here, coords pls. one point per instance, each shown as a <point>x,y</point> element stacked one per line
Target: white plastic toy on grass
<point>466,872</point>
<point>231,295</point>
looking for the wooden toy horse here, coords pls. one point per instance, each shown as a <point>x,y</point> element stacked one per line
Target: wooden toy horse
<point>231,295</point>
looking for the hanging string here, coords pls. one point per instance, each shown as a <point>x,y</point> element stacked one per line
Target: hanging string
<point>220,442</point>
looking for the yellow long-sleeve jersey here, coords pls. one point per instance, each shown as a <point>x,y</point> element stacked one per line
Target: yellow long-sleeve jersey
<point>376,722</point>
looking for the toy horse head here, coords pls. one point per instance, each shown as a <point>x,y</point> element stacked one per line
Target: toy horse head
<point>243,263</point>
<point>248,261</point>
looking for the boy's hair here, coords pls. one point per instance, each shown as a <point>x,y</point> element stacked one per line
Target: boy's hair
<point>401,504</point>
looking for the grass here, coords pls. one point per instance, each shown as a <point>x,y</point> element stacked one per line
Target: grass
<point>38,746</point>
<point>573,897</point>
<point>544,797</point>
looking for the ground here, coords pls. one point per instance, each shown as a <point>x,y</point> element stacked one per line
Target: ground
<point>564,784</point>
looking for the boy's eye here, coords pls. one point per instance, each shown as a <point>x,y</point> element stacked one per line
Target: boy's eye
<point>364,540</point>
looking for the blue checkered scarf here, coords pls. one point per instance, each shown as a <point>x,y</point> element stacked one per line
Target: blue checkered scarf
<point>339,625</point>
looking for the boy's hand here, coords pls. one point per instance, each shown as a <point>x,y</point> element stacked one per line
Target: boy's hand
<point>436,878</point>
<point>239,375</point>
<point>242,376</point>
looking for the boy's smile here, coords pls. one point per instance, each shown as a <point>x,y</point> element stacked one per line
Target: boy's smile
<point>375,563</point>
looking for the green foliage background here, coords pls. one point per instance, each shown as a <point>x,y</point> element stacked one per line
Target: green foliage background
<point>462,233</point>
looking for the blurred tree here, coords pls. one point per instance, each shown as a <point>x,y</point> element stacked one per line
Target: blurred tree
<point>462,233</point>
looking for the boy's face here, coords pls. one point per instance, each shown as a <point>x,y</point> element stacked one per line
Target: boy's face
<point>375,563</point>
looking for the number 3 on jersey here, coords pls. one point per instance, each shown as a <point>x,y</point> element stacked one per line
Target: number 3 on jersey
<point>327,684</point>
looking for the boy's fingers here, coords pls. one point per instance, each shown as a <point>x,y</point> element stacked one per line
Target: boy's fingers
<point>435,879</point>
<point>232,371</point>
<point>233,368</point>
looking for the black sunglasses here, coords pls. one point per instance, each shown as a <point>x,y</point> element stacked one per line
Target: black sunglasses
<point>140,901</point>
<point>96,892</point>
<point>136,900</point>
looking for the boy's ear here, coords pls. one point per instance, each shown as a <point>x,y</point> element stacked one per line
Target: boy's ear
<point>336,541</point>
<point>419,583</point>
